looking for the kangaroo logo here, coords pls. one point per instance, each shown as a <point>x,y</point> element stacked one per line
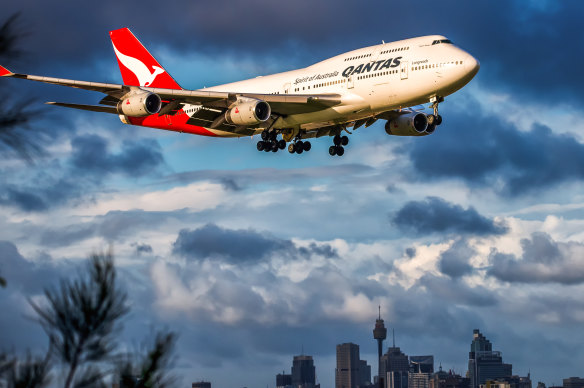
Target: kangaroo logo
<point>140,70</point>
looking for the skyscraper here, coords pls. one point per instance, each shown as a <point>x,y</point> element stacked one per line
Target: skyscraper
<point>283,380</point>
<point>422,364</point>
<point>484,363</point>
<point>351,372</point>
<point>395,367</point>
<point>379,334</point>
<point>303,372</point>
<point>421,369</point>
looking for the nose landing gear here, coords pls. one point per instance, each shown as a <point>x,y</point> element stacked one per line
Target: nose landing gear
<point>435,101</point>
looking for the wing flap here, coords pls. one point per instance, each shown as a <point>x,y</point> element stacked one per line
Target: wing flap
<point>93,108</point>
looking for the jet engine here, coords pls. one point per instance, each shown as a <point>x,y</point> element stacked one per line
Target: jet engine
<point>248,111</point>
<point>140,104</point>
<point>410,124</point>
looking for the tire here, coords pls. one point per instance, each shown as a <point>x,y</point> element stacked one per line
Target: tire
<point>282,144</point>
<point>300,144</point>
<point>344,140</point>
<point>291,148</point>
<point>299,150</point>
<point>337,140</point>
<point>340,151</point>
<point>260,145</point>
<point>332,150</point>
<point>438,120</point>
<point>264,135</point>
<point>307,146</point>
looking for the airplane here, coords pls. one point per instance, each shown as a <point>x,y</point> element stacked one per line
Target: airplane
<point>350,90</point>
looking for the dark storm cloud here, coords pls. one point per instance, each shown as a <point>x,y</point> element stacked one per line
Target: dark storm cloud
<point>435,215</point>
<point>239,246</point>
<point>49,192</point>
<point>486,152</point>
<point>454,262</point>
<point>518,48</point>
<point>91,155</point>
<point>143,248</point>
<point>91,162</point>
<point>543,261</point>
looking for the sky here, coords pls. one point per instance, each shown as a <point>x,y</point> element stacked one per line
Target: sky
<point>253,257</point>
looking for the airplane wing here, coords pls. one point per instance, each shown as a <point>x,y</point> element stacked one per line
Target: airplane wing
<point>281,104</point>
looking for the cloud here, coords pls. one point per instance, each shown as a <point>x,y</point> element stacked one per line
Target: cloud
<point>240,246</point>
<point>49,192</point>
<point>543,261</point>
<point>143,248</point>
<point>112,226</point>
<point>435,215</point>
<point>25,275</point>
<point>454,262</point>
<point>91,155</point>
<point>492,153</point>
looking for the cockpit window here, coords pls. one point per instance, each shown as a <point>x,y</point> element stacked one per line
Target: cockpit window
<point>442,41</point>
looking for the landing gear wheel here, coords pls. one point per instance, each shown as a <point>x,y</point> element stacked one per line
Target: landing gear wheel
<point>431,119</point>
<point>281,144</point>
<point>340,150</point>
<point>332,150</point>
<point>344,140</point>
<point>438,120</point>
<point>337,140</point>
<point>260,145</point>
<point>299,149</point>
<point>264,135</point>
<point>300,145</point>
<point>292,148</point>
<point>307,146</point>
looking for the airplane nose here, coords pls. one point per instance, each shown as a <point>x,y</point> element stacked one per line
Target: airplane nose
<point>471,65</point>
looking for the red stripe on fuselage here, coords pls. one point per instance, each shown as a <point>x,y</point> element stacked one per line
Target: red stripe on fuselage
<point>176,123</point>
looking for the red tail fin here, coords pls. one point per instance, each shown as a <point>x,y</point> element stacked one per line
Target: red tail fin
<point>137,65</point>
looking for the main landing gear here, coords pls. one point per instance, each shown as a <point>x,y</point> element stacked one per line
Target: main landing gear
<point>299,146</point>
<point>270,143</point>
<point>337,149</point>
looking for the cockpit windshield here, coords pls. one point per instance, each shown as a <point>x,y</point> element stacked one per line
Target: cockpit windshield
<point>441,41</point>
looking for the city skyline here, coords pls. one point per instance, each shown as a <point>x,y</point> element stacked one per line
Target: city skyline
<point>246,255</point>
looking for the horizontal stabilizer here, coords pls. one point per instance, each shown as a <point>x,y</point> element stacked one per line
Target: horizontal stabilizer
<point>4,71</point>
<point>93,108</point>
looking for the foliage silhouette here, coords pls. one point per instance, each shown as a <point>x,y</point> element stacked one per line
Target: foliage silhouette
<point>15,117</point>
<point>81,317</point>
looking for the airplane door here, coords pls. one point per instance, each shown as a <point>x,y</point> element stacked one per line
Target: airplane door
<point>403,70</point>
<point>350,83</point>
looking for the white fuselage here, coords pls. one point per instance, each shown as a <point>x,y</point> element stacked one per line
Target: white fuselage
<point>370,80</point>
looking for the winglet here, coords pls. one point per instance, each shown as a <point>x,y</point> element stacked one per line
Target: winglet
<point>5,72</point>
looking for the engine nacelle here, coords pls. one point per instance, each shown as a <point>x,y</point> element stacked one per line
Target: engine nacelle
<point>140,104</point>
<point>411,124</point>
<point>248,111</point>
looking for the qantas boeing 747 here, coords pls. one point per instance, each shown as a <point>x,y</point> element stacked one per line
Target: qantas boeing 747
<point>328,98</point>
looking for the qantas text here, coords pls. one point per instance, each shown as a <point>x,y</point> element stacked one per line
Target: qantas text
<point>367,67</point>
